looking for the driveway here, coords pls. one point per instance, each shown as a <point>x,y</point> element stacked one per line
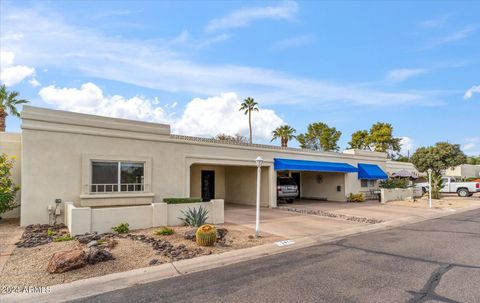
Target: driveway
<point>283,223</point>
<point>290,225</point>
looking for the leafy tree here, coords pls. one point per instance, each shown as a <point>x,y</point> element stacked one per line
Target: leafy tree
<point>473,160</point>
<point>439,157</point>
<point>285,133</point>
<point>379,138</point>
<point>8,189</point>
<point>320,136</point>
<point>8,105</point>
<point>437,185</point>
<point>236,138</point>
<point>360,140</point>
<point>249,105</point>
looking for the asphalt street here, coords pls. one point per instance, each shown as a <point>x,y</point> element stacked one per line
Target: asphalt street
<point>433,261</point>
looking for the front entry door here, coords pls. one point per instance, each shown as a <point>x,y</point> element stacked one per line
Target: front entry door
<point>208,185</point>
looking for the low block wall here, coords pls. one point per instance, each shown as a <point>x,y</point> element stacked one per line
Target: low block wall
<point>396,194</point>
<point>80,220</point>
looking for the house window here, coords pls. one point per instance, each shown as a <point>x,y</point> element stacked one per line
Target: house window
<point>117,176</point>
<point>367,183</point>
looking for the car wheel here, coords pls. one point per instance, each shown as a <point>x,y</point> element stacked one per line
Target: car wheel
<point>424,190</point>
<point>463,192</point>
<point>290,201</point>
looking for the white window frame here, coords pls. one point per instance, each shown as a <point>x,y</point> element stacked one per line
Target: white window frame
<point>370,183</point>
<point>119,178</point>
<point>88,159</point>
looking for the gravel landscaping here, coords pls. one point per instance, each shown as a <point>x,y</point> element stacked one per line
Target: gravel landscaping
<point>322,213</point>
<point>446,201</point>
<point>28,264</point>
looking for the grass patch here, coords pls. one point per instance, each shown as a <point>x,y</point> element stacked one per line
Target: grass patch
<point>164,231</point>
<point>121,228</point>
<point>63,238</point>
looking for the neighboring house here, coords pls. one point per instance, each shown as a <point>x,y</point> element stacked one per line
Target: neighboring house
<point>397,166</point>
<point>113,170</point>
<point>464,171</point>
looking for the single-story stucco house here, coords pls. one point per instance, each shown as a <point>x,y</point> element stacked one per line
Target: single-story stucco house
<point>94,172</point>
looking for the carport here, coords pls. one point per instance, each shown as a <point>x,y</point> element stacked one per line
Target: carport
<point>317,179</point>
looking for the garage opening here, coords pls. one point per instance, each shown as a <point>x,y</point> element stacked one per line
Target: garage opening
<point>316,180</point>
<point>236,184</point>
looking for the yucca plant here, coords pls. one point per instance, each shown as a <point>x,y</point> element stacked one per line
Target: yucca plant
<point>195,217</point>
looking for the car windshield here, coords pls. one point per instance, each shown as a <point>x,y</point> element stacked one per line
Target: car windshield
<point>286,181</point>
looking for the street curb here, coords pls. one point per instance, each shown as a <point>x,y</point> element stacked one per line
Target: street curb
<point>96,285</point>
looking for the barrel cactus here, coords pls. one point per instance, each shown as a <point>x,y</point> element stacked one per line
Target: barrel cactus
<point>206,235</point>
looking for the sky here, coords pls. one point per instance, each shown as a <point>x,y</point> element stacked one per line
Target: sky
<point>190,64</point>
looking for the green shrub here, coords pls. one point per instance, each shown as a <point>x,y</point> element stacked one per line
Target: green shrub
<point>121,228</point>
<point>355,197</point>
<point>181,200</point>
<point>194,217</point>
<point>63,238</point>
<point>51,233</point>
<point>394,183</point>
<point>164,231</point>
<point>8,189</point>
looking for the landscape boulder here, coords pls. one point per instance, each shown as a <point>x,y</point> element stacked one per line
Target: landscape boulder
<point>67,260</point>
<point>95,255</point>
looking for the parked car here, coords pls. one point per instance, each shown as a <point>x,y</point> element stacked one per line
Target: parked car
<point>463,189</point>
<point>287,189</point>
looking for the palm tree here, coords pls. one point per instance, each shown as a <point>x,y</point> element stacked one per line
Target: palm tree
<point>249,105</point>
<point>285,133</point>
<point>8,105</point>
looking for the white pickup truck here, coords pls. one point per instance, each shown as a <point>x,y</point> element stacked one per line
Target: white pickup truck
<point>463,189</point>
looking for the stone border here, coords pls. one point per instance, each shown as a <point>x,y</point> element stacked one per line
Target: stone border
<point>322,213</point>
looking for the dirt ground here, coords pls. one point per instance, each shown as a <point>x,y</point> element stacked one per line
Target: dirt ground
<point>446,201</point>
<point>28,266</point>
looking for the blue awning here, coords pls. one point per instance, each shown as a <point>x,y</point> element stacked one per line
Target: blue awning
<point>371,172</point>
<point>290,164</point>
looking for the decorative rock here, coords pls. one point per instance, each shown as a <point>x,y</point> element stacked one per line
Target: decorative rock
<point>221,233</point>
<point>66,260</point>
<point>88,237</point>
<point>190,235</point>
<point>95,255</point>
<point>92,243</point>
<point>153,262</point>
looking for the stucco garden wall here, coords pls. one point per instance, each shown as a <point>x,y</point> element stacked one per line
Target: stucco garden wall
<point>398,194</point>
<point>80,220</point>
<point>11,144</point>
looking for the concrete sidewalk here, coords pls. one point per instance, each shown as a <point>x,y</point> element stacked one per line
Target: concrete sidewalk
<point>88,287</point>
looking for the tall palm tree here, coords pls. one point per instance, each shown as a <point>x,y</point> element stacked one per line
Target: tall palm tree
<point>8,105</point>
<point>285,133</point>
<point>249,105</point>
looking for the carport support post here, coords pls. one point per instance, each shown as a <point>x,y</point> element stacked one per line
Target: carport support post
<point>259,162</point>
<point>429,187</point>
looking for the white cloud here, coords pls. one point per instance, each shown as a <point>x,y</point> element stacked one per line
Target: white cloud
<point>472,90</point>
<point>402,74</point>
<point>434,23</point>
<point>34,82</point>
<point>408,146</point>
<point>11,74</point>
<point>293,42</point>
<point>201,117</point>
<point>453,37</point>
<point>245,16</point>
<point>48,42</point>
<point>89,99</point>
<point>471,146</point>
<point>220,114</point>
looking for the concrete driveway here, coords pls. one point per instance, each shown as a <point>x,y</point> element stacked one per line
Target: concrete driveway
<point>293,225</point>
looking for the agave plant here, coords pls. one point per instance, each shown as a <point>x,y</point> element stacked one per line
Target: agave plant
<point>195,217</point>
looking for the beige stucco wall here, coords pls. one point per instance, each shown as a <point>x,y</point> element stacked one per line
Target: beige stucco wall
<point>464,171</point>
<point>327,189</point>
<point>196,176</point>
<point>10,144</point>
<point>55,144</point>
<point>80,220</point>
<point>241,184</point>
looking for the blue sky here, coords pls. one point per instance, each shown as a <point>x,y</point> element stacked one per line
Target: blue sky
<point>414,64</point>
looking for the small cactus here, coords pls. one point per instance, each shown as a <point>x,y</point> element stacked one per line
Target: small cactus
<point>206,235</point>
